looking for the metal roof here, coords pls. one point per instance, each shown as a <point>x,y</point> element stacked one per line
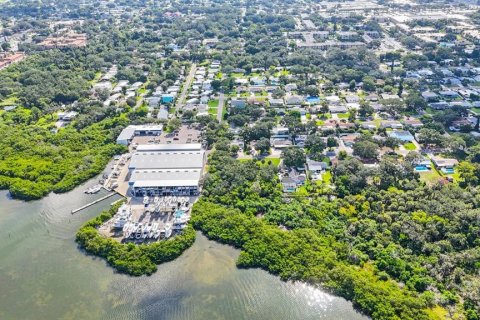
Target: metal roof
<point>167,160</point>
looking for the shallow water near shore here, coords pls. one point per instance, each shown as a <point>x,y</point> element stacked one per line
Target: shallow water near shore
<point>43,275</point>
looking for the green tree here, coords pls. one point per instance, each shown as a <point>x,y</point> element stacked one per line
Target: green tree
<point>293,157</point>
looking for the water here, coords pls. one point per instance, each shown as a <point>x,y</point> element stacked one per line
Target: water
<point>313,99</point>
<point>421,168</point>
<point>43,275</point>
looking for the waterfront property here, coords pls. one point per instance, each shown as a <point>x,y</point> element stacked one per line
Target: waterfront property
<point>166,170</point>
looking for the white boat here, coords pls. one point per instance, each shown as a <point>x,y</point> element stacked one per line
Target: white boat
<point>122,216</point>
<point>168,231</point>
<point>146,200</point>
<point>92,190</point>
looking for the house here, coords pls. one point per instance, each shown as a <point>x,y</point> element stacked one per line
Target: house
<point>449,94</point>
<point>300,140</point>
<point>333,100</point>
<point>413,122</point>
<point>316,168</point>
<point>67,116</point>
<point>290,87</point>
<point>369,125</point>
<point>387,96</point>
<point>429,96</point>
<point>238,103</point>
<point>276,102</point>
<point>292,100</point>
<point>446,165</point>
<point>439,105</point>
<point>162,114</point>
<point>401,135</point>
<point>281,143</point>
<point>280,132</point>
<point>153,101</point>
<point>288,184</point>
<point>353,98</point>
<point>337,108</point>
<point>349,139</point>
<point>391,124</point>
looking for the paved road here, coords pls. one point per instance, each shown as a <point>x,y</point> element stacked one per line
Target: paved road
<point>188,83</point>
<point>221,105</point>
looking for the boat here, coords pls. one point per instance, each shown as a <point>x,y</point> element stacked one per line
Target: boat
<point>138,231</point>
<point>122,216</point>
<point>156,234</point>
<point>168,231</point>
<point>145,234</point>
<point>92,190</point>
<point>146,200</point>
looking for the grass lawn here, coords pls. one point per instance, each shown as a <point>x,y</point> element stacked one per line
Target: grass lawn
<point>212,111</point>
<point>431,176</point>
<point>325,116</point>
<point>236,75</point>
<point>275,161</point>
<point>410,146</point>
<point>9,101</point>
<point>320,122</point>
<point>342,115</point>
<point>476,110</point>
<point>213,103</point>
<point>261,94</point>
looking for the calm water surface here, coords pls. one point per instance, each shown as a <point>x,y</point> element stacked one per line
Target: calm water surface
<point>44,276</point>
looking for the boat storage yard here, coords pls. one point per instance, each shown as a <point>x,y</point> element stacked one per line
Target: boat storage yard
<point>160,177</point>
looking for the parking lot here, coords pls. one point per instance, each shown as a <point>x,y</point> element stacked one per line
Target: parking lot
<point>185,134</point>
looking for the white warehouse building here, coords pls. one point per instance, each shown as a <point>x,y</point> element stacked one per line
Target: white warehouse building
<point>166,170</point>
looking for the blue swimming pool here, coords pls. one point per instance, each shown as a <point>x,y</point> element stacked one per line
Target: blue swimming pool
<point>448,170</point>
<point>313,99</point>
<point>421,168</point>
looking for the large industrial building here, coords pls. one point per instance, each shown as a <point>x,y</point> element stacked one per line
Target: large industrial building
<point>166,170</point>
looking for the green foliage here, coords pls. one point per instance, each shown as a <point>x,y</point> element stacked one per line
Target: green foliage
<point>34,161</point>
<point>135,260</point>
<point>396,248</point>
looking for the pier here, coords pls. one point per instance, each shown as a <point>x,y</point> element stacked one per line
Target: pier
<point>94,202</point>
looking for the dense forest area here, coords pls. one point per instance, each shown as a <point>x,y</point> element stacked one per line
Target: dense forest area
<point>398,249</point>
<point>35,161</point>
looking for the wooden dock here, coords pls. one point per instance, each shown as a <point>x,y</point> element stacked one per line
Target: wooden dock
<point>94,202</point>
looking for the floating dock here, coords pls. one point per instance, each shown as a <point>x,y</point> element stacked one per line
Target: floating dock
<point>94,202</point>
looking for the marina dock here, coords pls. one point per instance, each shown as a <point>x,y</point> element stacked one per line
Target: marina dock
<point>94,202</point>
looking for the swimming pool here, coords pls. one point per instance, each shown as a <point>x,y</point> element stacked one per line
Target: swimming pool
<point>421,168</point>
<point>313,99</point>
<point>448,170</point>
